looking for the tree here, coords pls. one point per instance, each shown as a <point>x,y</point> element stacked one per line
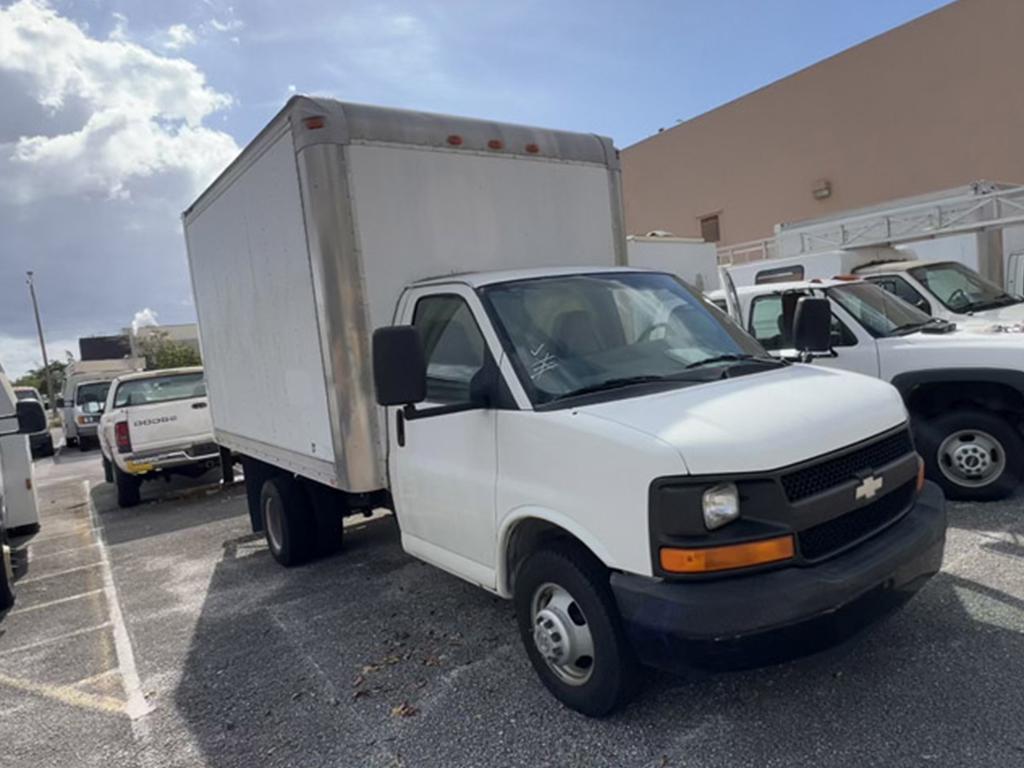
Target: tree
<point>163,352</point>
<point>37,378</point>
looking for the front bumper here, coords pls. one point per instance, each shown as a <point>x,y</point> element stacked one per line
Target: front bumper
<point>776,615</point>
<point>87,430</point>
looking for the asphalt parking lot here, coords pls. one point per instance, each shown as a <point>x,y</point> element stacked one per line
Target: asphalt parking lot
<point>166,636</point>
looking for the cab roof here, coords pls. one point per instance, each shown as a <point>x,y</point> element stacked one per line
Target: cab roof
<point>479,279</point>
<point>158,373</point>
<point>795,285</point>
<point>892,266</point>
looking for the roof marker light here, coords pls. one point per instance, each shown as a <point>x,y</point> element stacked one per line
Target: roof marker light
<point>495,144</point>
<point>455,140</point>
<point>314,122</point>
<point>533,149</point>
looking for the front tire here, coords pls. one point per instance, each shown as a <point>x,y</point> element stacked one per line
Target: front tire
<point>288,520</point>
<point>570,627</point>
<point>6,573</point>
<point>129,488</point>
<point>973,454</point>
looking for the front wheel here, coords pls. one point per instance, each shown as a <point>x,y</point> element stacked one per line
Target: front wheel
<point>572,632</point>
<point>973,454</point>
<point>6,573</point>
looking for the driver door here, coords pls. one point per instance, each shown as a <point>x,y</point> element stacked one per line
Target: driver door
<point>443,467</point>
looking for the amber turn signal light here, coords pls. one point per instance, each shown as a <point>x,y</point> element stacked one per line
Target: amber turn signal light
<point>709,559</point>
<point>920,473</point>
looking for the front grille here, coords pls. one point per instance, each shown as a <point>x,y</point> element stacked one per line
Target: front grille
<point>841,532</point>
<point>203,449</point>
<point>818,478</point>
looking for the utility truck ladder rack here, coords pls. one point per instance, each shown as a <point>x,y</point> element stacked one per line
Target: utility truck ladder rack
<point>985,206</point>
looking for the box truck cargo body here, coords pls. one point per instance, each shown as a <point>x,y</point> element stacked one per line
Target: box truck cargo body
<point>434,315</point>
<point>692,259</point>
<point>326,217</point>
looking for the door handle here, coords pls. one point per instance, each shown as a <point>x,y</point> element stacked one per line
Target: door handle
<point>198,405</point>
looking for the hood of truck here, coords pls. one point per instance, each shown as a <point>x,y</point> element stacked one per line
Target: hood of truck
<point>992,319</point>
<point>761,421</point>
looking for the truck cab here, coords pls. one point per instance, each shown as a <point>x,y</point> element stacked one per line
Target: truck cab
<point>948,290</point>
<point>603,442</point>
<point>964,389</point>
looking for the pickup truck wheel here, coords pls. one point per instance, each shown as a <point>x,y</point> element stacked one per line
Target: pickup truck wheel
<point>288,520</point>
<point>108,471</point>
<point>571,629</point>
<point>6,573</point>
<point>973,454</point>
<point>129,488</point>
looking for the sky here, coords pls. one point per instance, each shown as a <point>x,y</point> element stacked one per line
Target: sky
<point>115,115</point>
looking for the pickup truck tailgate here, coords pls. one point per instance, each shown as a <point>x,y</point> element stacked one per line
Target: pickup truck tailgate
<point>174,424</point>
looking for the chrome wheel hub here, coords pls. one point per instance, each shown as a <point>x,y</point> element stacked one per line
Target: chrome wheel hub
<point>272,519</point>
<point>971,458</point>
<point>8,564</point>
<point>562,635</point>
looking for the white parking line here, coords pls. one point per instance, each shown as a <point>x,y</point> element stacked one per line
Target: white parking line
<point>59,601</point>
<point>55,574</point>
<point>136,705</point>
<point>55,639</point>
<point>35,558</point>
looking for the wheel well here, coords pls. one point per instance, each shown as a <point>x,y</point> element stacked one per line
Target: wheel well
<point>930,399</point>
<point>530,534</point>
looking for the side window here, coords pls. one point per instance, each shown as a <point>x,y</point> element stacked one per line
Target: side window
<point>766,322</point>
<point>768,327</point>
<point>452,344</point>
<point>901,288</point>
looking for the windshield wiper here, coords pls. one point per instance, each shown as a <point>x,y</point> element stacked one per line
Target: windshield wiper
<point>911,327</point>
<point>734,358</point>
<point>618,383</point>
<point>1005,300</point>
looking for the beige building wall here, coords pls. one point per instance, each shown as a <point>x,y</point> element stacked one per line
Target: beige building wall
<point>934,104</point>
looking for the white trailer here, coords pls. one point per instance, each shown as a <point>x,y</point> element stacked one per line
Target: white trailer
<point>313,215</point>
<point>690,258</point>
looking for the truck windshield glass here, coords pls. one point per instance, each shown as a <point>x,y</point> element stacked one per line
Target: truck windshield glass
<point>961,289</point>
<point>882,313</point>
<point>91,397</point>
<point>159,389</point>
<point>582,333</point>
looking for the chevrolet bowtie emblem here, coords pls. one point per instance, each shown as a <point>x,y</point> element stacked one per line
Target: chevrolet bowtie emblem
<point>868,487</point>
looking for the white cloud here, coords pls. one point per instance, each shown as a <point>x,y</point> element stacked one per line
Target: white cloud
<point>143,318</point>
<point>144,112</point>
<point>178,36</point>
<point>20,355</point>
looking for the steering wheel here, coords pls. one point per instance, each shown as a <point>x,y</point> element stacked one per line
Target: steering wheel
<point>649,331</point>
<point>963,301</point>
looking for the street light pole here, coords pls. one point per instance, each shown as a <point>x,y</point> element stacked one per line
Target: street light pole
<point>42,345</point>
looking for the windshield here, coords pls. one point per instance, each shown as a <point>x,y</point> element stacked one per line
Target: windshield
<point>576,334</point>
<point>960,289</point>
<point>882,313</point>
<point>159,389</point>
<point>91,397</point>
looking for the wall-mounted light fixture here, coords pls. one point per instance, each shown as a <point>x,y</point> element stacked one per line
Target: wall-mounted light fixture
<point>822,189</point>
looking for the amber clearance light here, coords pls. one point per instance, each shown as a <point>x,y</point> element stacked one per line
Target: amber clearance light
<point>920,473</point>
<point>708,559</point>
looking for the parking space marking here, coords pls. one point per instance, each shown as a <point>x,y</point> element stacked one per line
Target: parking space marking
<point>34,579</point>
<point>34,558</point>
<point>136,705</point>
<point>55,639</point>
<point>59,601</point>
<point>66,694</point>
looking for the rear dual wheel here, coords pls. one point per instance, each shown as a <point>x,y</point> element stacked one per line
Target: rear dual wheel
<point>300,520</point>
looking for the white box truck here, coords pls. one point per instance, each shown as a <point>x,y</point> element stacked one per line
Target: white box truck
<point>430,314</point>
<point>691,258</point>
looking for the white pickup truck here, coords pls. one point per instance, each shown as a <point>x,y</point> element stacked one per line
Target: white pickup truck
<point>155,424</point>
<point>964,389</point>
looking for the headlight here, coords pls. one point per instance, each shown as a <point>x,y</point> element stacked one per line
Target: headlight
<point>721,505</point>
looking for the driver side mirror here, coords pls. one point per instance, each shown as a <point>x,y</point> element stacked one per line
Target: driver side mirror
<point>31,417</point>
<point>60,402</point>
<point>399,367</point>
<point>812,323</point>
